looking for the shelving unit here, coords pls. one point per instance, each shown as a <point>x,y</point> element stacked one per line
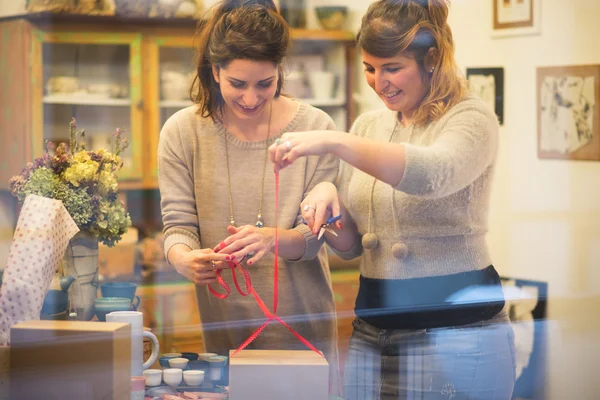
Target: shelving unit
<point>129,53</point>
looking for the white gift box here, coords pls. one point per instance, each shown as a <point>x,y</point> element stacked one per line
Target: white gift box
<point>278,374</point>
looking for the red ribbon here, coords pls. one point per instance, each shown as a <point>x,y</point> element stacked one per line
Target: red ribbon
<point>271,316</point>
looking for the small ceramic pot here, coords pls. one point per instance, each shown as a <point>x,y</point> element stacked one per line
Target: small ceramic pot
<point>206,356</point>
<point>178,362</point>
<point>193,378</point>
<point>190,356</point>
<point>171,355</point>
<point>106,305</point>
<point>153,377</point>
<point>172,376</point>
<point>216,365</point>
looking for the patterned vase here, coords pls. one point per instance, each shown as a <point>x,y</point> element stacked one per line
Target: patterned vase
<point>81,262</point>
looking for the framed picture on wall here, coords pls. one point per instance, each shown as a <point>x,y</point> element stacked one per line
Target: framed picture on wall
<point>515,17</point>
<point>488,84</point>
<point>567,112</point>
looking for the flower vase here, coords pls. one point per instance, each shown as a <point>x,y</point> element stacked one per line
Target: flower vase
<point>81,261</point>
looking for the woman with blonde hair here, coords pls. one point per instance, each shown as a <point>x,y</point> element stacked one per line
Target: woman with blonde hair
<point>413,192</point>
<point>218,192</point>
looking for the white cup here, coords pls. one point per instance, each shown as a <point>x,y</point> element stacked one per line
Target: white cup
<point>322,84</point>
<point>178,362</point>
<point>153,377</point>
<point>193,377</point>
<point>136,320</point>
<point>172,376</point>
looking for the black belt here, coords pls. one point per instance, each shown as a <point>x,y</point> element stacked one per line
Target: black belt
<point>431,302</point>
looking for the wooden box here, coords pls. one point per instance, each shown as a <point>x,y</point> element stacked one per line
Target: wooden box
<point>278,374</point>
<point>70,360</point>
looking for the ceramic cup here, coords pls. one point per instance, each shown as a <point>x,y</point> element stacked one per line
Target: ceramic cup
<point>121,289</point>
<point>216,365</point>
<point>189,356</point>
<point>172,376</point>
<point>153,377</point>
<point>178,362</point>
<point>206,356</point>
<point>136,320</point>
<point>106,305</point>
<point>193,378</point>
<point>171,355</point>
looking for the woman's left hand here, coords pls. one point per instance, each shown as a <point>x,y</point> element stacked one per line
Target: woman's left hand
<point>293,145</point>
<point>248,239</point>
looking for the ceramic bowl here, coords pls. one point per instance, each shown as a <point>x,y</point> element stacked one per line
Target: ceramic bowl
<point>164,362</point>
<point>206,356</point>
<point>172,376</point>
<point>120,289</point>
<point>193,378</point>
<point>217,361</point>
<point>62,84</point>
<point>153,377</point>
<point>189,356</point>
<point>106,305</point>
<point>171,355</point>
<point>332,17</point>
<point>178,362</point>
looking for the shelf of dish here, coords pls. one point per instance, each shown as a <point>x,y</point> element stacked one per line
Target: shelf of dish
<point>336,102</point>
<point>85,100</point>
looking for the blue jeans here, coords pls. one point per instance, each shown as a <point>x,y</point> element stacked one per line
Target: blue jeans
<point>474,361</point>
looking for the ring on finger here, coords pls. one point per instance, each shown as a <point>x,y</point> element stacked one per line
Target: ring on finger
<point>214,265</point>
<point>309,207</point>
<point>288,145</point>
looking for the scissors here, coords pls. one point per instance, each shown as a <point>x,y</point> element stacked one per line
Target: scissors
<point>325,226</point>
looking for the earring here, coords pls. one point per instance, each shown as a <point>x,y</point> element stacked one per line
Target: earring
<point>431,70</point>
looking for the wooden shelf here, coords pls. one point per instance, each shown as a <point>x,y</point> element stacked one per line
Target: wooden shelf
<point>85,100</point>
<point>318,34</point>
<point>336,102</point>
<point>54,18</point>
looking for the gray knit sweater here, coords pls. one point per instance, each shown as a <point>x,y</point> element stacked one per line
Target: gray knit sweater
<point>195,210</point>
<point>439,209</point>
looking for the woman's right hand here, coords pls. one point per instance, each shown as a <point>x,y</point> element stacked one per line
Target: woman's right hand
<point>197,266</point>
<point>321,203</point>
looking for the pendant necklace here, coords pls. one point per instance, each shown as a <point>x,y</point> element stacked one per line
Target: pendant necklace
<point>370,240</point>
<point>259,223</point>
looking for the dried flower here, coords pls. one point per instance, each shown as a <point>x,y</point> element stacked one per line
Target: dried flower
<point>85,181</point>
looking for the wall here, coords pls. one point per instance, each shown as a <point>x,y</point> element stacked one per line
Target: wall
<point>545,215</point>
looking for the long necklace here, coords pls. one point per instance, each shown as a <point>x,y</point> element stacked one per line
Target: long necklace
<point>370,240</point>
<point>259,223</point>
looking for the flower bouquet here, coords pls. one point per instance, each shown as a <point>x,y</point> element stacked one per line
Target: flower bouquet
<point>85,181</point>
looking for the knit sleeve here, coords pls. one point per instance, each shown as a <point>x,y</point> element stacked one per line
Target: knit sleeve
<point>326,170</point>
<point>465,147</point>
<point>175,180</point>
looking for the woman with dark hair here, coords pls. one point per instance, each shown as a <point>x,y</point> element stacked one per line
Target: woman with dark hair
<point>413,191</point>
<point>216,187</point>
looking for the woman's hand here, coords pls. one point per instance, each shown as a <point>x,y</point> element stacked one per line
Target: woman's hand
<point>197,266</point>
<point>321,203</point>
<point>293,145</point>
<point>246,240</point>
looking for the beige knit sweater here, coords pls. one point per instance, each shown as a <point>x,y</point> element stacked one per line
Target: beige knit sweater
<point>439,209</point>
<point>195,210</point>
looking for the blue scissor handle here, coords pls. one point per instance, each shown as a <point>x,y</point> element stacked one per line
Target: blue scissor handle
<point>330,221</point>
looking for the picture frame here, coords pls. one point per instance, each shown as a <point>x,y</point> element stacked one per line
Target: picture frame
<point>488,84</point>
<point>516,17</point>
<point>568,117</point>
